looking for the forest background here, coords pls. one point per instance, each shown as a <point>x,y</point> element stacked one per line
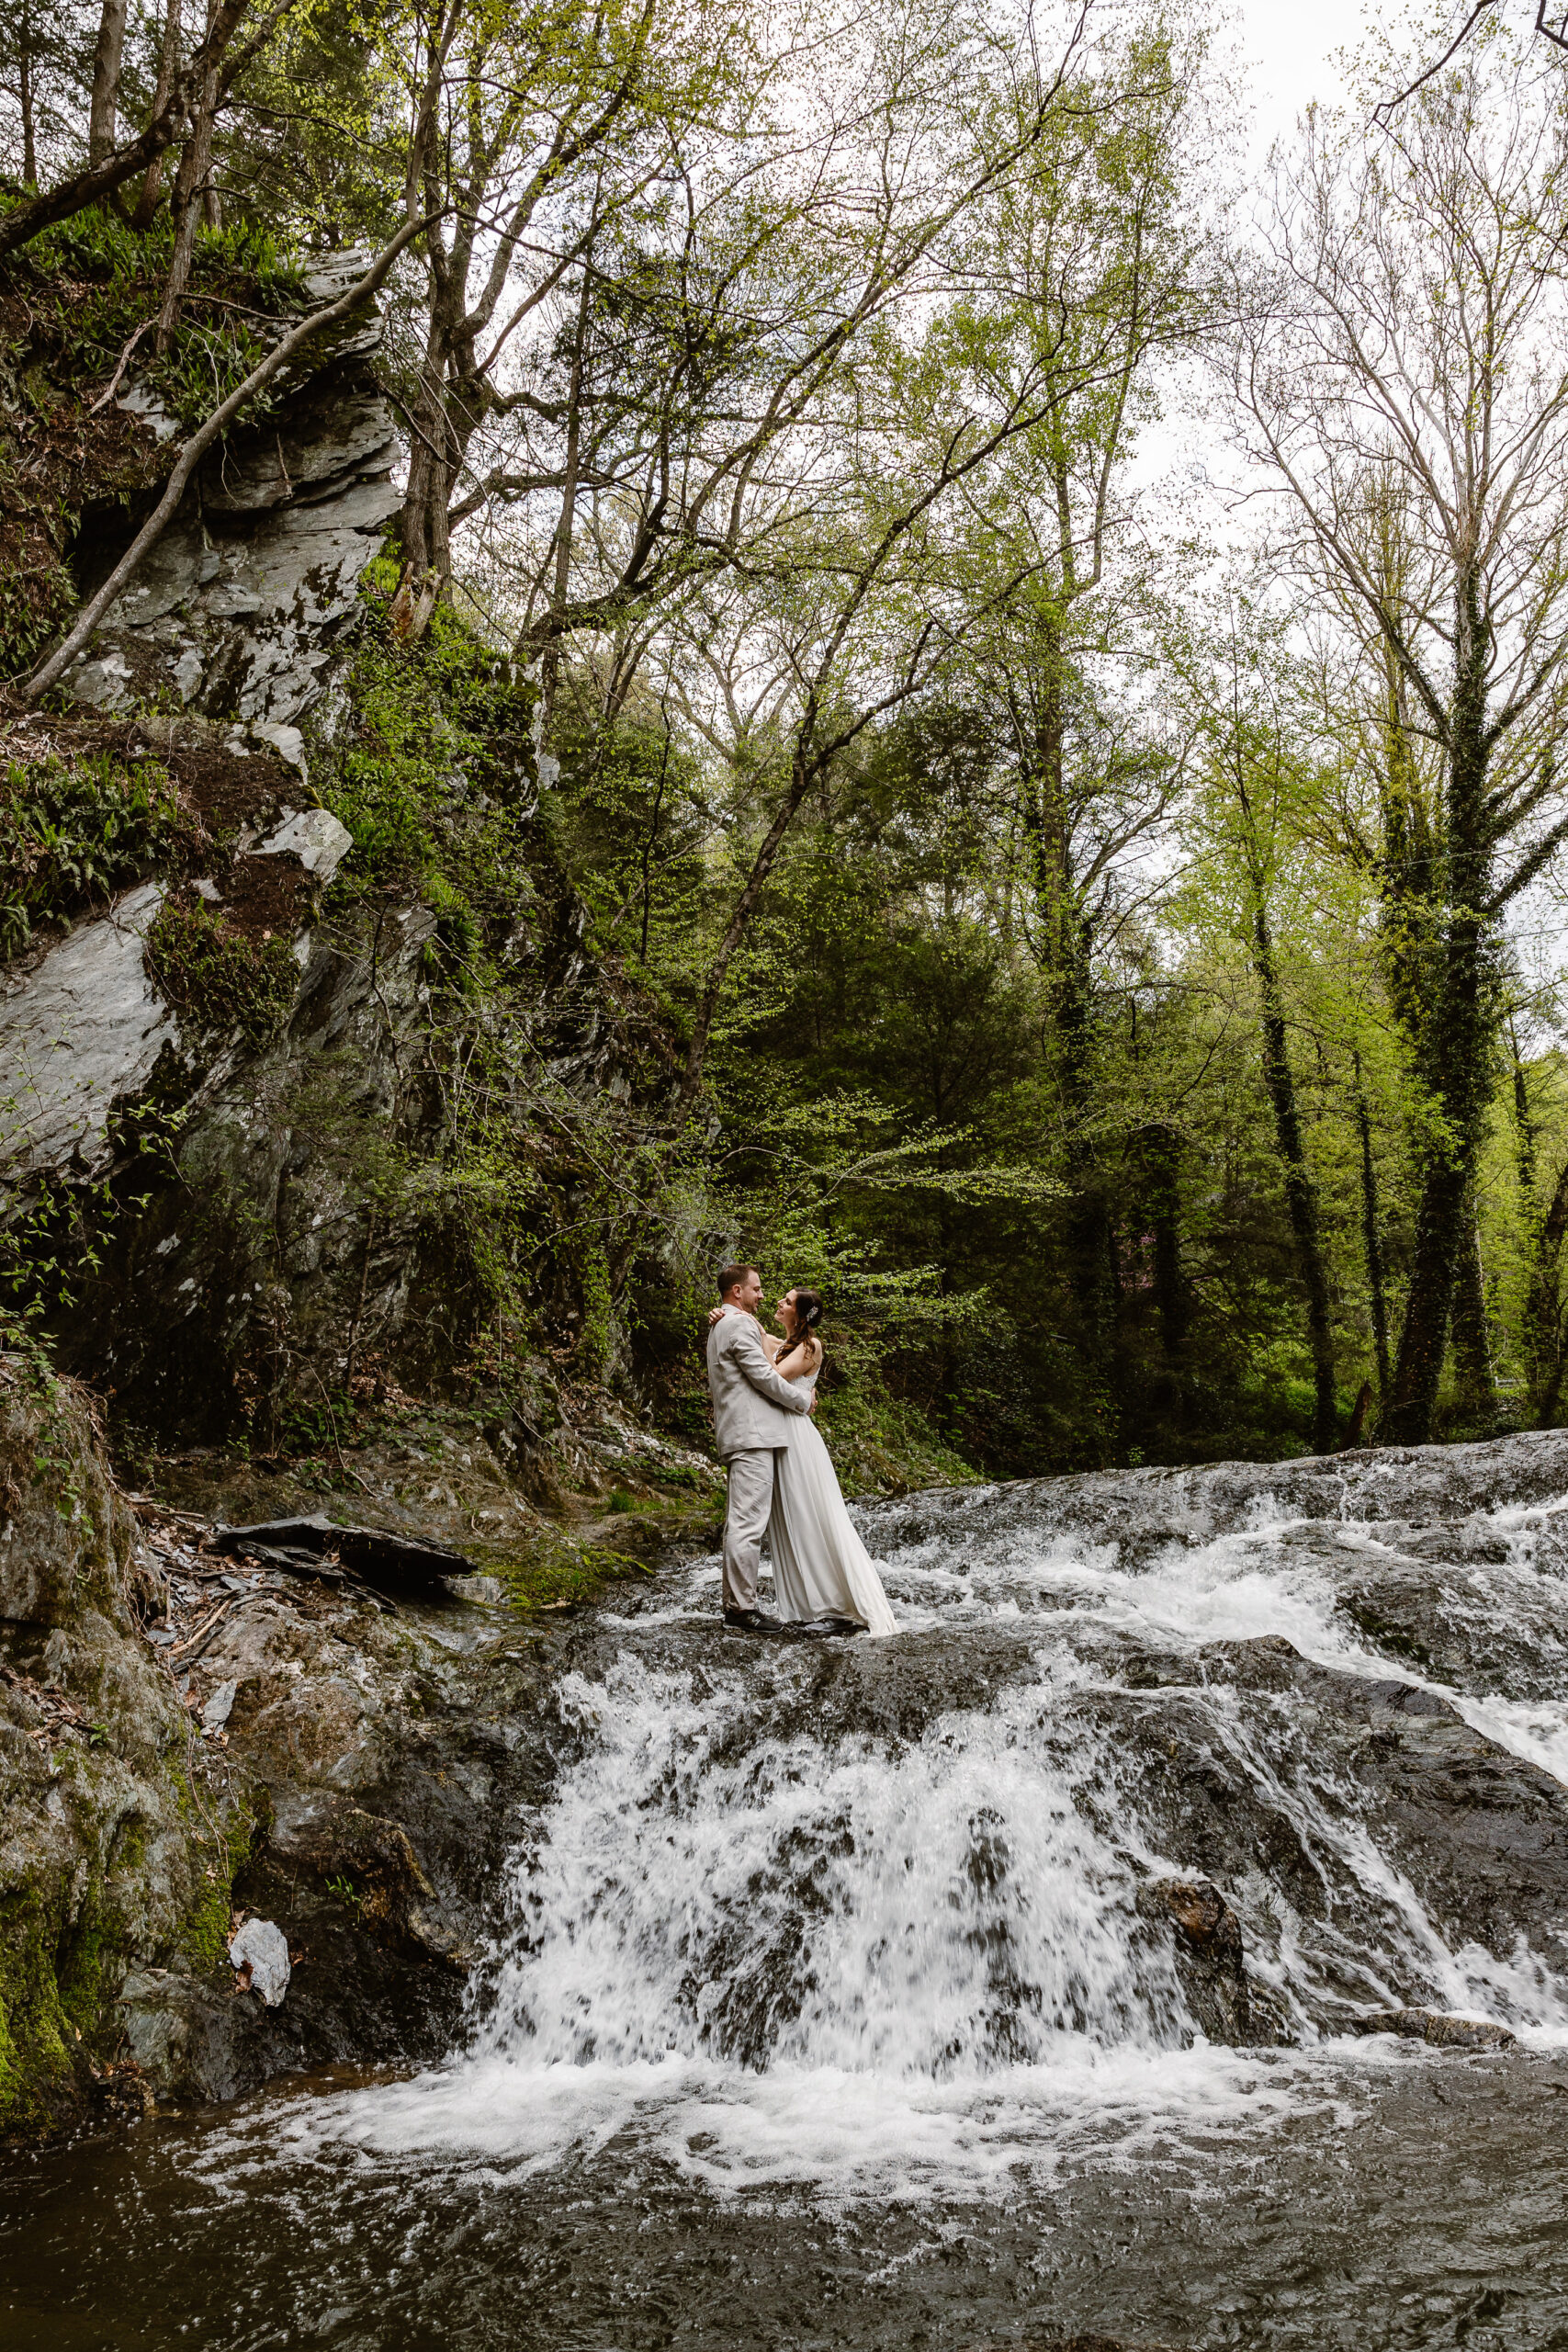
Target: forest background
<point>1098,909</point>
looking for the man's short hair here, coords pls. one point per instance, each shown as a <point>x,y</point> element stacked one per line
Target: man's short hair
<point>729,1275</point>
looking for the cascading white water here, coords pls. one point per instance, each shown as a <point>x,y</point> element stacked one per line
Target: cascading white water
<point>777,1949</point>
<point>1251,1584</point>
<point>955,1909</point>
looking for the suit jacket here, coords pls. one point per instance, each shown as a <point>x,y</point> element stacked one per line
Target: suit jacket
<point>750,1398</point>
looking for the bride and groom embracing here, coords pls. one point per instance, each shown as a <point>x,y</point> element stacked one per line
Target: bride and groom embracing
<point>782,1482</point>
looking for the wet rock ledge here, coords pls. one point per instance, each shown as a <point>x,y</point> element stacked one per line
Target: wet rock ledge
<point>188,1737</point>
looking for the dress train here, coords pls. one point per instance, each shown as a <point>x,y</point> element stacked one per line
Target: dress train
<point>820,1567</point>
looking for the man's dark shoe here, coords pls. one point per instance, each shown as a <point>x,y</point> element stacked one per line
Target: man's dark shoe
<point>747,1621</point>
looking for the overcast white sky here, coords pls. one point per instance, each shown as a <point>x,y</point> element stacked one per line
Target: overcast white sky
<point>1289,44</point>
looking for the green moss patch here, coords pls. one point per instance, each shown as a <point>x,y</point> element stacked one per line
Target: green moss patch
<point>38,2036</point>
<point>217,976</point>
<point>556,1573</point>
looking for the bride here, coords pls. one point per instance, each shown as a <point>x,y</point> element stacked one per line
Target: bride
<point>820,1567</point>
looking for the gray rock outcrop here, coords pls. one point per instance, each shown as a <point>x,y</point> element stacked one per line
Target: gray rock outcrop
<point>236,610</point>
<point>83,1030</point>
<point>103,1858</point>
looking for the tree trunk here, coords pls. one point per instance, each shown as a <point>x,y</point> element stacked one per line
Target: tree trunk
<point>422,523</point>
<point>1472,1342</point>
<point>1456,1043</point>
<point>1062,951</point>
<point>1173,1297</point>
<point>168,66</point>
<point>1089,1218</point>
<point>25,79</point>
<point>549,661</point>
<point>1372,1239</point>
<point>1540,1336</point>
<point>1172,1293</point>
<point>104,106</point>
<point>1301,1192</point>
<point>1544,1347</point>
<point>190,188</point>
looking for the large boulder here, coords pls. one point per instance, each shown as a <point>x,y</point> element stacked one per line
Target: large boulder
<point>105,1854</point>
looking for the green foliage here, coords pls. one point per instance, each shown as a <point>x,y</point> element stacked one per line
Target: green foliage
<point>429,773</point>
<point>884,1445</point>
<point>631,815</point>
<point>88,291</point>
<point>57,1238</point>
<point>101,279</point>
<point>69,832</point>
<point>216,976</point>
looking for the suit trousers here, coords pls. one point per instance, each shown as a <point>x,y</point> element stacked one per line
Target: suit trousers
<point>746,1520</point>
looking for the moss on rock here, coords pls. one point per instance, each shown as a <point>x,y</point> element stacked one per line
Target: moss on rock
<point>217,975</point>
<point>107,1858</point>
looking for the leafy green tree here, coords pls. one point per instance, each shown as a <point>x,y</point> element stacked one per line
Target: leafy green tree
<point>1410,332</point>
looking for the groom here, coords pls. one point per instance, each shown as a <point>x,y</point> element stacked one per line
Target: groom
<point>749,1400</point>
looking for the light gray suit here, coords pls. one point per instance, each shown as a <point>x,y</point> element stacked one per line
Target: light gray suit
<point>749,1399</point>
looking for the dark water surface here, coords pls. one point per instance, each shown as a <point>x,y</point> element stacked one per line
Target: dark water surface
<point>1431,2206</point>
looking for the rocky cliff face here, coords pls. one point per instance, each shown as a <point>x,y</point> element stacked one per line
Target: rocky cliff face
<point>228,1097</point>
<point>191,1735</point>
<point>236,612</point>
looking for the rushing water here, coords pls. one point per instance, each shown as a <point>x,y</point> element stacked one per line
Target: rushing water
<point>824,2006</point>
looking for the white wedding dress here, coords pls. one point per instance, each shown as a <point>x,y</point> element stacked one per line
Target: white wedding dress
<point>820,1567</point>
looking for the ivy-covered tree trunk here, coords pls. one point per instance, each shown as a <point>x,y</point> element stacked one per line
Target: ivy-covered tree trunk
<point>1544,1353</point>
<point>1475,1376</point>
<point>1063,942</point>
<point>1371,1242</point>
<point>1456,1043</point>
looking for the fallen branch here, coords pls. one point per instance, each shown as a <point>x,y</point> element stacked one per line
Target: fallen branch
<point>104,398</point>
<point>196,448</point>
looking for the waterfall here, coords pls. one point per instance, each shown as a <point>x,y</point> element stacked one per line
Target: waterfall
<point>878,1913</point>
<point>956,1907</point>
